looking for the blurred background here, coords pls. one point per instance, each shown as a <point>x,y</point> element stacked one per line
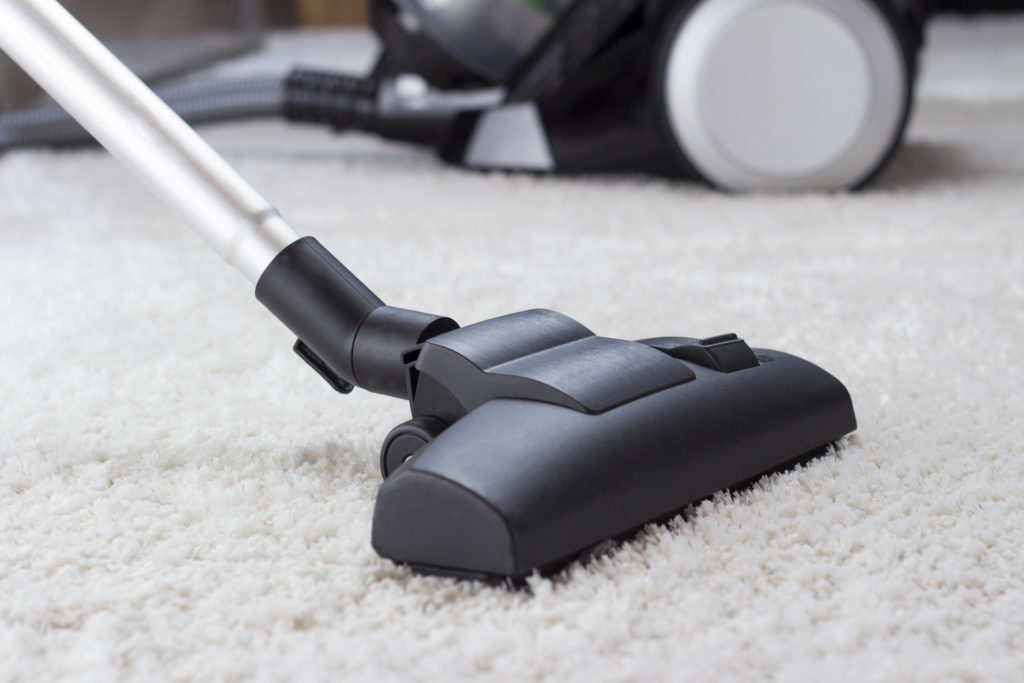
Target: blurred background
<point>161,39</point>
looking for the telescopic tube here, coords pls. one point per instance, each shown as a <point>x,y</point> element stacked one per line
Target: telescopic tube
<point>144,134</point>
<point>345,332</point>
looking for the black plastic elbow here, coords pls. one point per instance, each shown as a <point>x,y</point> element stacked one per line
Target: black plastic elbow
<point>345,331</point>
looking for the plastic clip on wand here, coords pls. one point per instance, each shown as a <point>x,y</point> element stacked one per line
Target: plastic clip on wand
<point>531,438</point>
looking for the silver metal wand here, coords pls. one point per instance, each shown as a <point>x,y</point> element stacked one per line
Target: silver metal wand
<point>127,118</point>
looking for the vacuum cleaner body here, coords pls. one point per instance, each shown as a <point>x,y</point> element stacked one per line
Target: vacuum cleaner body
<point>744,94</point>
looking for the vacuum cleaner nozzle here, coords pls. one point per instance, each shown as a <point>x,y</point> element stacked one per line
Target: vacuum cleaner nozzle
<point>560,440</point>
<point>531,438</point>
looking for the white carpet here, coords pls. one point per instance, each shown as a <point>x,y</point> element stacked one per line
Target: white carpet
<point>181,498</point>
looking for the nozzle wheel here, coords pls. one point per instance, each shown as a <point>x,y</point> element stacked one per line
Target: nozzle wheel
<point>406,440</point>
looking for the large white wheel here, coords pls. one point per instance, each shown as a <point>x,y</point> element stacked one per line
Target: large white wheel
<point>784,94</point>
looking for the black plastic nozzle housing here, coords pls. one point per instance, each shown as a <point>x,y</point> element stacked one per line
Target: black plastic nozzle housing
<point>558,440</point>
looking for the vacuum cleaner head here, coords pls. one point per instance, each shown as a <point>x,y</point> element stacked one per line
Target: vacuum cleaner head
<point>532,439</point>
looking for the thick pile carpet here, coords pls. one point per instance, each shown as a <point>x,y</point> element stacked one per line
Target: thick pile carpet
<point>181,498</point>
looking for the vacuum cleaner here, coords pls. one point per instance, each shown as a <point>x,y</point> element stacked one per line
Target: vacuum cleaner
<point>531,439</point>
<point>742,94</point>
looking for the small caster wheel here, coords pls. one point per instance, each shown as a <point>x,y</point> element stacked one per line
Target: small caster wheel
<point>406,440</point>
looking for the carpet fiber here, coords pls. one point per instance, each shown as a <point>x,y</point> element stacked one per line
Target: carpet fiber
<point>181,498</point>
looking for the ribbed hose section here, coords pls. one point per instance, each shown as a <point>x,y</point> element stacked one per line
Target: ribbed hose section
<point>338,100</point>
<point>208,102</point>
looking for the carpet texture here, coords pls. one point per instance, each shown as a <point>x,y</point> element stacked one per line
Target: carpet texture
<point>181,498</point>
